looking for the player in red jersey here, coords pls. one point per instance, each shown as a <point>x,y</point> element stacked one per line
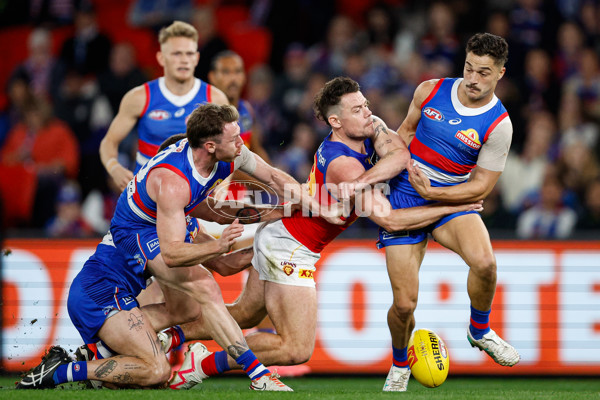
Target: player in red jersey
<point>286,251</point>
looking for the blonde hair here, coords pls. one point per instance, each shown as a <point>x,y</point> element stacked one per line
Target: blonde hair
<point>177,29</point>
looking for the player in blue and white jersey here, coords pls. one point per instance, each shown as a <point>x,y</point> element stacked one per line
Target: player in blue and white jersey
<point>159,108</point>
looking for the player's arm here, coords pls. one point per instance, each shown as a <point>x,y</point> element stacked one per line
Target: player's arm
<point>226,264</point>
<point>393,154</point>
<point>490,164</point>
<point>217,96</point>
<point>130,109</point>
<point>379,210</point>
<point>171,193</point>
<point>285,186</point>
<point>408,128</point>
<point>225,212</point>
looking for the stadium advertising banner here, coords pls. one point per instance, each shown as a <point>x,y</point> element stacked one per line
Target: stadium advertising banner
<point>547,305</point>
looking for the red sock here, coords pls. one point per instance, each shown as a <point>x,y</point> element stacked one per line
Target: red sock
<point>209,365</point>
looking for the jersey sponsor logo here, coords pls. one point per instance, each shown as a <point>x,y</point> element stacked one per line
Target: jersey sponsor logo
<point>288,267</point>
<point>152,245</point>
<point>433,114</point>
<point>305,274</point>
<point>455,121</point>
<point>393,235</point>
<point>320,158</point>
<point>179,112</point>
<point>127,300</point>
<point>106,310</point>
<point>470,137</point>
<point>159,115</point>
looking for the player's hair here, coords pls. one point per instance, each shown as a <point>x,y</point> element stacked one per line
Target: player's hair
<point>223,54</point>
<point>331,94</point>
<point>486,44</point>
<point>170,140</point>
<point>177,29</point>
<point>207,121</point>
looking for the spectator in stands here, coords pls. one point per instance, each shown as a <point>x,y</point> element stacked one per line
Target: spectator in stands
<point>41,68</point>
<point>68,221</point>
<point>590,217</point>
<point>123,74</point>
<point>155,14</point>
<point>210,43</point>
<point>19,93</point>
<point>539,88</point>
<point>46,144</point>
<point>297,158</point>
<point>440,41</point>
<point>82,106</point>
<point>585,84</point>
<point>570,45</point>
<point>549,218</point>
<point>573,128</point>
<point>329,56</point>
<point>524,173</point>
<point>578,167</point>
<point>88,50</point>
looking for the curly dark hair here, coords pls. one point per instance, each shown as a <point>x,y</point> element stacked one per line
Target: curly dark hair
<point>331,94</point>
<point>207,121</point>
<point>486,44</point>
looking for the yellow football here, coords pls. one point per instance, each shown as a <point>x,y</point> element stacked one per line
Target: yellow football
<point>428,358</point>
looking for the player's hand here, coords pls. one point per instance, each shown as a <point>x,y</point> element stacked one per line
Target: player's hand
<point>121,176</point>
<point>477,206</point>
<point>230,234</point>
<point>333,213</point>
<point>419,181</point>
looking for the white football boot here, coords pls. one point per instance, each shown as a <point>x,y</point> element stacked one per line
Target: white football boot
<point>191,372</point>
<point>500,351</point>
<point>270,383</point>
<point>397,380</point>
<point>165,341</point>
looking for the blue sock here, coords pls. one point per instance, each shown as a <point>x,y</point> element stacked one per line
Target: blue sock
<point>72,372</point>
<point>400,357</point>
<point>251,365</point>
<point>221,361</point>
<point>480,323</point>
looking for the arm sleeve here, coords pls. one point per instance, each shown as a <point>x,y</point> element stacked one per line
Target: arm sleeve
<point>246,161</point>
<point>494,151</point>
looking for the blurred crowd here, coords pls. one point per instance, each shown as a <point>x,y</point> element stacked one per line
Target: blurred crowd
<point>61,102</point>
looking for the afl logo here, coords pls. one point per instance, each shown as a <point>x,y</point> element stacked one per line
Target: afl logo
<point>159,115</point>
<point>433,114</point>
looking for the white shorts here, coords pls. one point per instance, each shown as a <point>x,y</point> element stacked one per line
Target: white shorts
<point>280,258</point>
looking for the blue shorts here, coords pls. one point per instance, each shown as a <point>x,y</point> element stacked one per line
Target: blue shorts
<point>139,242</point>
<point>399,199</point>
<point>93,297</point>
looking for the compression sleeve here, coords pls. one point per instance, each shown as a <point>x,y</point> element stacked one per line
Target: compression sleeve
<point>494,151</point>
<point>246,161</point>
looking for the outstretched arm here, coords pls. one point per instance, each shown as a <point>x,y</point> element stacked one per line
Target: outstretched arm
<point>225,212</point>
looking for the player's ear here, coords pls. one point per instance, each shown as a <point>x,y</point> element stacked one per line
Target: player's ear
<point>160,58</point>
<point>210,147</point>
<point>334,121</point>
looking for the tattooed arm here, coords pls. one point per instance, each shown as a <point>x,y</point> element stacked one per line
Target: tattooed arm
<point>225,212</point>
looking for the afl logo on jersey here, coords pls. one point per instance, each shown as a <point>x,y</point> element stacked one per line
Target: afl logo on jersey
<point>470,137</point>
<point>433,114</point>
<point>179,112</point>
<point>159,115</point>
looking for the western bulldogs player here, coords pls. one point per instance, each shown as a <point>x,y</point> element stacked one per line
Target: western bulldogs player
<point>159,108</point>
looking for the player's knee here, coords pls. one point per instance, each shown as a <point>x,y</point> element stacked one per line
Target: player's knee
<point>484,266</point>
<point>244,316</point>
<point>160,371</point>
<point>207,290</point>
<point>403,308</point>
<point>294,354</point>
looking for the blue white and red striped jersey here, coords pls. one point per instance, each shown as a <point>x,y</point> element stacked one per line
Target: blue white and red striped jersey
<point>246,121</point>
<point>135,205</point>
<point>449,136</point>
<point>164,115</point>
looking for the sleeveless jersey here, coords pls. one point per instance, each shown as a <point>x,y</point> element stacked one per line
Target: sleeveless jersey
<point>449,136</point>
<point>135,205</point>
<point>164,115</point>
<point>315,233</point>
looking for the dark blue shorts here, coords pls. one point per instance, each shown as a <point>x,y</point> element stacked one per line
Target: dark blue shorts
<point>93,297</point>
<point>399,199</point>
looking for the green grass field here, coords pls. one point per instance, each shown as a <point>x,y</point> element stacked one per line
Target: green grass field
<point>351,387</point>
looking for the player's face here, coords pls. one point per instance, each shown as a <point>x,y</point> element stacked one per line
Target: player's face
<point>355,116</point>
<point>231,143</point>
<point>179,56</point>
<point>481,75</point>
<point>229,76</point>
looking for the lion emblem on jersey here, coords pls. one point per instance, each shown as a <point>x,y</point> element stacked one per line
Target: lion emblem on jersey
<point>288,267</point>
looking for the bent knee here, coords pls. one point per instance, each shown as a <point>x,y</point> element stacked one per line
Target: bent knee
<point>484,266</point>
<point>404,308</point>
<point>159,371</point>
<point>295,355</point>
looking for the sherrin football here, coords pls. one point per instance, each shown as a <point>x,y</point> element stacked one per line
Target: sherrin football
<point>428,358</point>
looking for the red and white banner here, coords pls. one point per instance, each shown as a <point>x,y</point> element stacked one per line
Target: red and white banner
<point>547,304</point>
